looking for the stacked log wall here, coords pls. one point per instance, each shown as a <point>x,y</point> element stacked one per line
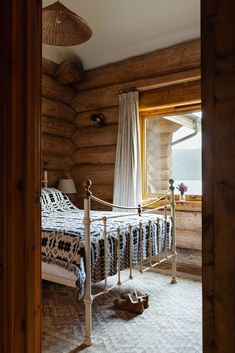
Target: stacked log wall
<point>173,75</point>
<point>72,142</point>
<point>99,91</point>
<point>57,124</point>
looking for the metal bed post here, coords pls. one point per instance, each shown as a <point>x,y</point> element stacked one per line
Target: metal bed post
<point>141,247</point>
<point>131,251</point>
<point>105,253</point>
<point>118,256</point>
<point>150,244</point>
<point>158,240</point>
<point>88,296</point>
<point>165,233</point>
<point>174,254</point>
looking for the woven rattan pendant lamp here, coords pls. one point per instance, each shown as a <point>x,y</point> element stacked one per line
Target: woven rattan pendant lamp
<point>62,27</point>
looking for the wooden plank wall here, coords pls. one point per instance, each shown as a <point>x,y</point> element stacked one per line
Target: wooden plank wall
<point>57,123</point>
<point>94,156</point>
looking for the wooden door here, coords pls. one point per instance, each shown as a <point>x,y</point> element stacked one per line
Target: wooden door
<point>20,103</point>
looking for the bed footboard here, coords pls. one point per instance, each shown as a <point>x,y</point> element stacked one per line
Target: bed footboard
<point>134,211</point>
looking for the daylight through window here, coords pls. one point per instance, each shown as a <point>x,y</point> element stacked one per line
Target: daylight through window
<point>172,149</point>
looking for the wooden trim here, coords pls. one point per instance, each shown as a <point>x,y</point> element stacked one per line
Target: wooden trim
<point>187,206</point>
<point>171,110</point>
<point>20,101</point>
<point>181,94</point>
<point>162,111</point>
<point>218,241</point>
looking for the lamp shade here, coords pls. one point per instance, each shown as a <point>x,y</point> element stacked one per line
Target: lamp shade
<point>67,186</point>
<point>62,27</point>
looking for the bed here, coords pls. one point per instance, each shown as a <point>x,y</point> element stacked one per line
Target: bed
<point>81,247</point>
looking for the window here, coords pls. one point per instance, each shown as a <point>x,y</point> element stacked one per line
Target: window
<point>172,149</point>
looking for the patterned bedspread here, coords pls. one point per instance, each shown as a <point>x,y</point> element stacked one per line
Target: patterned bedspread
<point>63,237</point>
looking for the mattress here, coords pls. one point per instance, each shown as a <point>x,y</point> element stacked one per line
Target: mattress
<point>63,238</point>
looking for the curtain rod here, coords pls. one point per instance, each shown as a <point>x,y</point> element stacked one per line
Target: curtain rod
<point>155,85</point>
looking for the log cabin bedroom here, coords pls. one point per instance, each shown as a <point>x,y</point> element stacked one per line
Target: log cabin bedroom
<point>121,179</point>
<point>116,186</point>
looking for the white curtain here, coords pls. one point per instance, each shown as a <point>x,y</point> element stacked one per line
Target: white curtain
<point>127,179</point>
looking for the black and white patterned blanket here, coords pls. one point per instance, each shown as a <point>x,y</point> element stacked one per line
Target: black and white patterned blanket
<point>63,237</point>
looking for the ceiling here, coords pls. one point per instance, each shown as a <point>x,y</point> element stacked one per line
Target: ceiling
<point>126,28</point>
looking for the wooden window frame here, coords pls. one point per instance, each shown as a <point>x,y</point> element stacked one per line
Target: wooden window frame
<point>192,201</point>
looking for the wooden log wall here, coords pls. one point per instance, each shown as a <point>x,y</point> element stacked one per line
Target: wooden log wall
<point>73,143</point>
<point>189,241</point>
<point>158,154</point>
<point>57,125</point>
<point>98,92</point>
<point>94,156</point>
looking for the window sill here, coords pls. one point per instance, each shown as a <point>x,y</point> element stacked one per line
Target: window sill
<point>183,206</point>
<point>189,206</point>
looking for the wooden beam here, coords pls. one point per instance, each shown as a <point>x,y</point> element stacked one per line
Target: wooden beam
<point>95,136</point>
<point>189,230</point>
<point>181,94</point>
<point>70,71</point>
<point>178,58</point>
<point>98,98</point>
<point>56,109</point>
<point>57,127</point>
<point>49,67</point>
<point>55,175</point>
<point>168,80</point>
<point>95,155</point>
<point>102,191</point>
<point>104,97</point>
<point>56,162</point>
<point>55,90</point>
<point>171,109</point>
<point>57,146</point>
<point>98,174</point>
<point>84,119</point>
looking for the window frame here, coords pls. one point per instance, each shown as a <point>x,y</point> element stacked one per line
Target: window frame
<point>164,111</point>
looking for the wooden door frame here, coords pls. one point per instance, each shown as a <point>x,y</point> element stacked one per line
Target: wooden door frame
<point>20,80</point>
<point>20,102</point>
<point>218,230</point>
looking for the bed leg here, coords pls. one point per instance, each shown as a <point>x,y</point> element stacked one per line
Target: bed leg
<point>174,278</point>
<point>88,340</point>
<point>174,254</point>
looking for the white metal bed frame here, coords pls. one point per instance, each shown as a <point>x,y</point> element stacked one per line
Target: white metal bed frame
<point>88,297</point>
